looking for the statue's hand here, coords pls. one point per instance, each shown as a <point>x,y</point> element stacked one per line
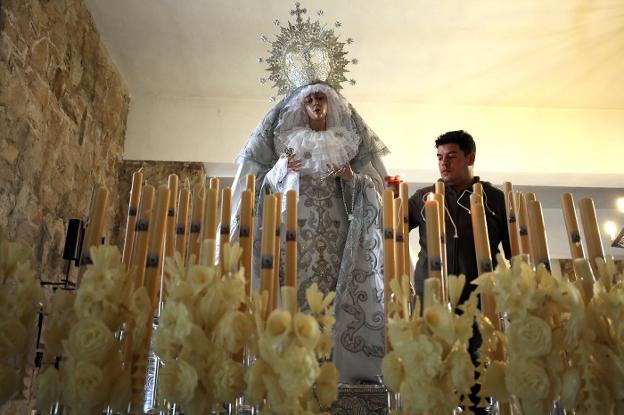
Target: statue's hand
<point>293,163</point>
<point>344,172</point>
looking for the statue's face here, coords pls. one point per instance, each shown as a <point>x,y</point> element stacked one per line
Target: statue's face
<point>316,106</point>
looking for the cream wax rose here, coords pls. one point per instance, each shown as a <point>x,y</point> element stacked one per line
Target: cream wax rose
<point>89,341</point>
<point>530,337</point>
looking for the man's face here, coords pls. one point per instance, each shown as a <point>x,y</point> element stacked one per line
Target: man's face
<point>316,106</point>
<point>454,165</point>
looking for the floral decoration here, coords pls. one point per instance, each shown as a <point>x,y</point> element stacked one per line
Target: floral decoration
<point>428,362</point>
<point>203,329</point>
<point>564,339</point>
<point>291,371</point>
<point>84,330</point>
<point>20,299</point>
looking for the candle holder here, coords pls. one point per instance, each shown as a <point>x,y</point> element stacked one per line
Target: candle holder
<point>71,253</point>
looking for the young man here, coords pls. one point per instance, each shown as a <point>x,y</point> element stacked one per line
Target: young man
<point>456,156</point>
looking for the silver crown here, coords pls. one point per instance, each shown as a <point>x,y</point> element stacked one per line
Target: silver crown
<point>306,52</point>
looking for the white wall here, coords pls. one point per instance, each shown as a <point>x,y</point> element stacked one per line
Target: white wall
<point>556,234</point>
<point>528,146</point>
<point>537,146</point>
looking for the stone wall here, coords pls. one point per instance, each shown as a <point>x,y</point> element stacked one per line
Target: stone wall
<point>63,111</point>
<point>154,173</point>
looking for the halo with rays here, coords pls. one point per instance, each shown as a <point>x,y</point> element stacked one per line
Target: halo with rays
<point>305,52</point>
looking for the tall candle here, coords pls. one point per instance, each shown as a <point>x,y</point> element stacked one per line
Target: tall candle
<point>267,248</point>
<point>139,253</point>
<point>404,195</point>
<point>251,187</point>
<point>399,240</point>
<point>523,225</point>
<point>571,222</point>
<point>197,214</point>
<point>537,233</point>
<point>388,234</point>
<point>276,252</point>
<point>484,261</point>
<point>133,209</point>
<point>439,197</point>
<point>95,228</point>
<point>512,223</point>
<point>211,214</point>
<point>291,239</point>
<point>246,224</point>
<point>214,184</point>
<point>477,188</point>
<point>431,292</point>
<point>226,214</point>
<point>209,226</point>
<point>591,231</point>
<point>434,245</point>
<point>171,215</point>
<point>529,197</point>
<point>153,264</point>
<point>480,234</point>
<point>182,221</point>
<point>251,184</point>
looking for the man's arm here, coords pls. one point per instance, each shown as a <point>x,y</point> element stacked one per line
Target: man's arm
<point>414,204</point>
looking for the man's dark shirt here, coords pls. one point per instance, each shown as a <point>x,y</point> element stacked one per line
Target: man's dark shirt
<point>460,249</point>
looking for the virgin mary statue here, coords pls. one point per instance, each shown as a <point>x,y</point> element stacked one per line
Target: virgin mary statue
<point>313,141</point>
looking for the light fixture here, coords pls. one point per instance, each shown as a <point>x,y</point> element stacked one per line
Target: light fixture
<point>611,229</point>
<point>620,204</point>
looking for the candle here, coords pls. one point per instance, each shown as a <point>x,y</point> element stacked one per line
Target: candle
<point>591,231</point>
<point>388,234</point>
<point>439,197</point>
<point>226,214</point>
<point>276,252</point>
<point>529,197</point>
<point>245,238</point>
<point>209,228</point>
<point>139,253</point>
<point>537,233</point>
<point>251,184</point>
<point>214,184</point>
<point>480,234</point>
<point>404,195</point>
<point>477,188</point>
<point>196,222</point>
<point>399,240</point>
<point>571,222</point>
<point>267,248</point>
<point>182,221</point>
<point>431,292</point>
<point>523,225</point>
<point>484,262</point>
<point>171,215</point>
<point>153,264</point>
<point>133,208</point>
<point>434,246</point>
<point>512,224</point>
<point>291,239</point>
<point>95,227</point>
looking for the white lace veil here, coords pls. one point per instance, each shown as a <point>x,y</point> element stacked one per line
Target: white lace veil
<point>294,114</point>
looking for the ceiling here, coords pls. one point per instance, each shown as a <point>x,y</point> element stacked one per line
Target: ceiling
<point>530,53</point>
<point>541,82</point>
